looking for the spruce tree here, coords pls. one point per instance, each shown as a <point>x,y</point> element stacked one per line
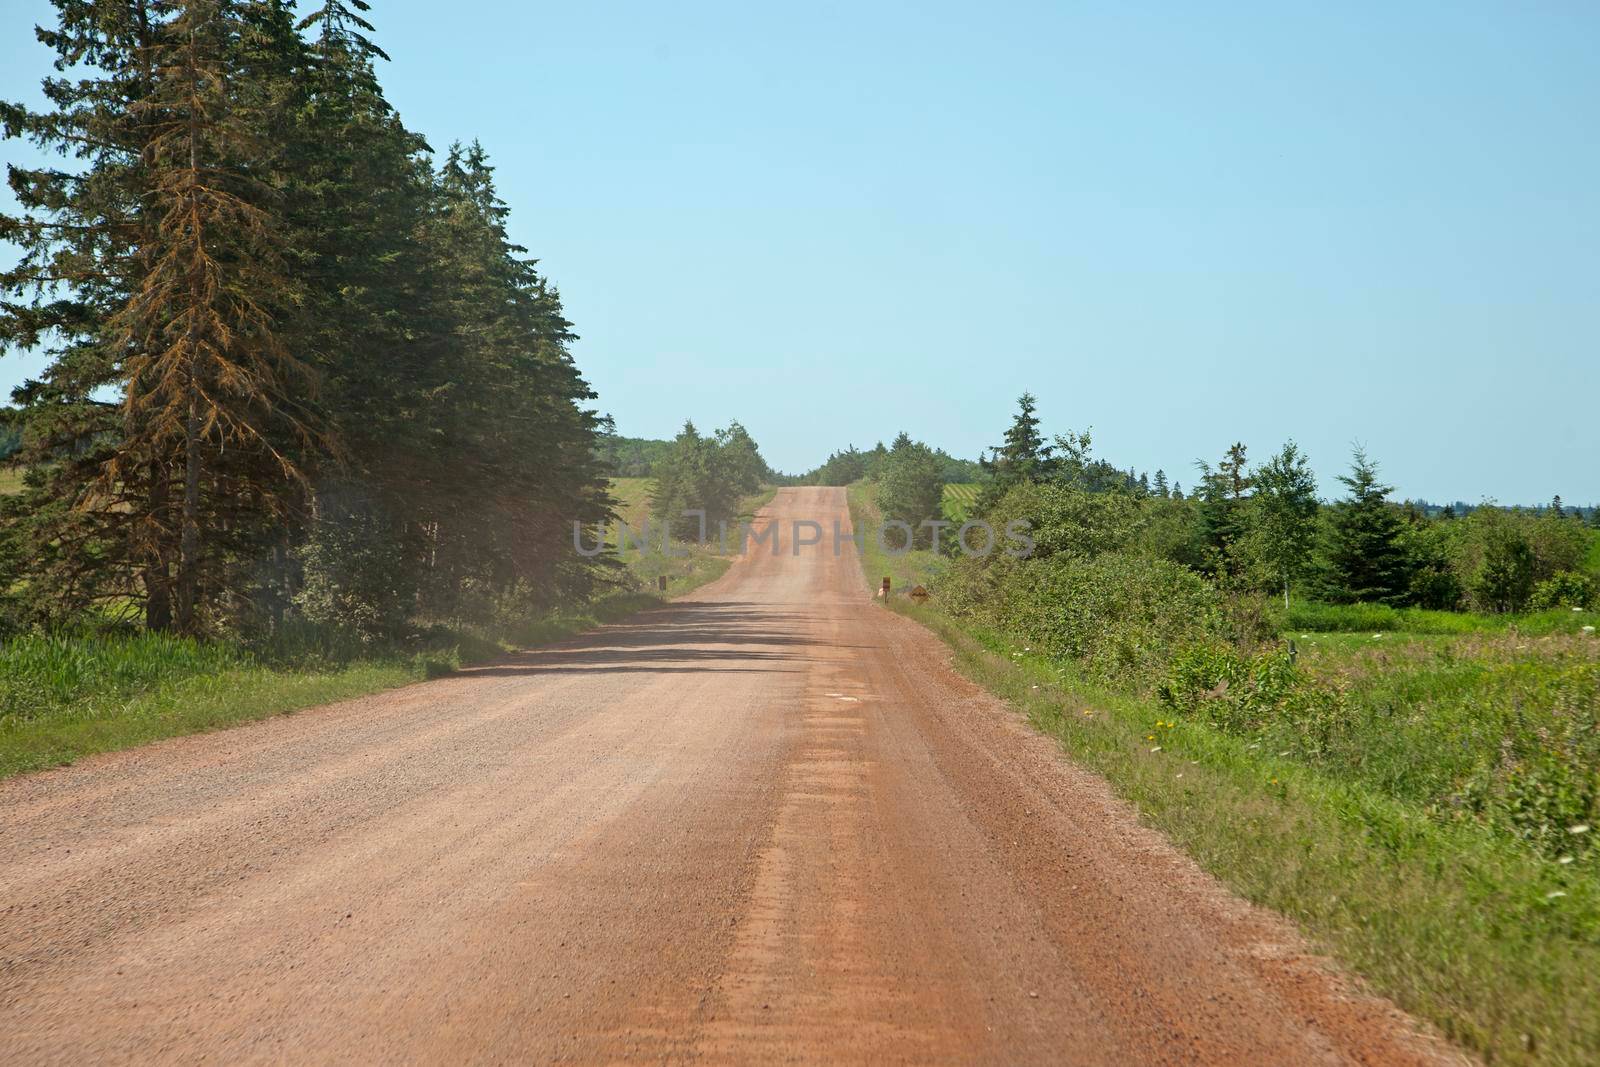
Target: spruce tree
<point>511,434</point>
<point>1221,516</point>
<point>82,231</point>
<point>1366,558</point>
<point>287,353</point>
<point>213,397</point>
<point>1022,457</point>
<point>358,191</point>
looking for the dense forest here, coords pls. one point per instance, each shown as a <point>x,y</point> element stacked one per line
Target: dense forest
<point>298,371</point>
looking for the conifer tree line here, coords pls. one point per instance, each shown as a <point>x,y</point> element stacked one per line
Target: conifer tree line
<point>1253,527</point>
<point>852,464</point>
<point>1263,527</point>
<point>297,367</point>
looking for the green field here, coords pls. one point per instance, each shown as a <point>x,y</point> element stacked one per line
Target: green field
<point>1427,838</point>
<point>633,499</point>
<point>10,480</point>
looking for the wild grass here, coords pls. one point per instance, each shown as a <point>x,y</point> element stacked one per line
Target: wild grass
<point>1308,616</point>
<point>633,499</point>
<point>10,480</point>
<point>1501,729</point>
<point>67,696</point>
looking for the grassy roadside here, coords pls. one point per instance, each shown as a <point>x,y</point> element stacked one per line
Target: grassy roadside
<point>903,569</point>
<point>66,697</point>
<point>1497,946</point>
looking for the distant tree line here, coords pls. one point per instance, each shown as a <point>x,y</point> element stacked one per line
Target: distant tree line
<point>630,457</point>
<point>1263,527</point>
<point>852,464</point>
<point>297,367</point>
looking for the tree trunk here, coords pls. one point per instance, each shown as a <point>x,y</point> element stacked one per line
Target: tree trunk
<point>157,576</point>
<point>189,539</point>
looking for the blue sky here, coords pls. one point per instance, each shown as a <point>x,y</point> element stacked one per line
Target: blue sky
<point>1180,224</point>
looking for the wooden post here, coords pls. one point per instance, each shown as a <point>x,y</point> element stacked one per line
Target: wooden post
<point>883,591</point>
<point>661,582</point>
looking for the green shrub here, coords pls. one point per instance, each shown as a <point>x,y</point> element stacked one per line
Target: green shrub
<point>1564,589</point>
<point>1118,615</point>
<point>357,572</point>
<point>1255,694</point>
<point>1504,578</point>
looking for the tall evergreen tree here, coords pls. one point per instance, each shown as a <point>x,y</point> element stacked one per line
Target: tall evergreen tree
<point>1022,457</point>
<point>82,232</point>
<point>249,218</point>
<point>679,480</point>
<point>212,394</point>
<point>1221,516</point>
<point>157,266</point>
<point>1366,559</point>
<point>512,435</point>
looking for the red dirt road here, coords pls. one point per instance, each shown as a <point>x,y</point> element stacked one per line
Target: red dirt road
<point>765,823</point>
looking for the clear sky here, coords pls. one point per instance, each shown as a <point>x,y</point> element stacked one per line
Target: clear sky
<point>1180,224</point>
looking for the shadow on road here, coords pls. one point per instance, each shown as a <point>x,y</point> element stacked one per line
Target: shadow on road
<point>727,636</point>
